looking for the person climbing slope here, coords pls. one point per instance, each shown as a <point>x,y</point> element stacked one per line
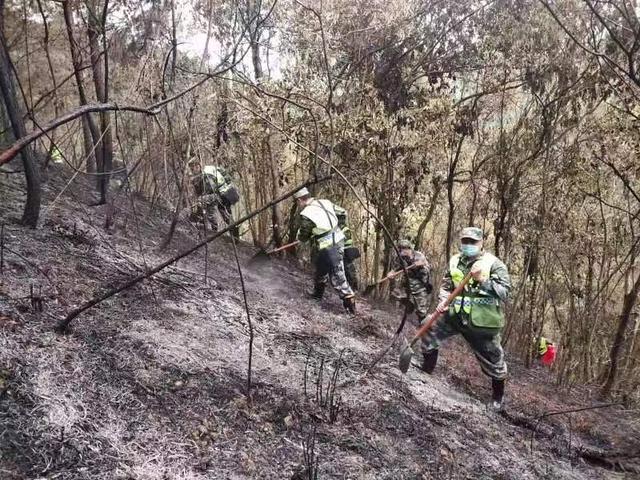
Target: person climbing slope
<point>477,314</point>
<point>214,186</point>
<point>416,286</point>
<point>321,223</point>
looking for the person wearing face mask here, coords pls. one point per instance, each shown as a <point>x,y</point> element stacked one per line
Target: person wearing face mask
<point>417,284</point>
<point>477,314</point>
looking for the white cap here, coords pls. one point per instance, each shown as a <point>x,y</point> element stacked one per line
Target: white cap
<point>301,193</point>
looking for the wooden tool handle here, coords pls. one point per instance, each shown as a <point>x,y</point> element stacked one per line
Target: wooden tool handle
<point>284,247</point>
<point>435,315</point>
<point>395,274</point>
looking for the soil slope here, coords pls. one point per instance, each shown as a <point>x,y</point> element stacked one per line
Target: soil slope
<point>151,384</point>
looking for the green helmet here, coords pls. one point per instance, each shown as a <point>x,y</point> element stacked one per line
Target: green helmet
<point>402,244</point>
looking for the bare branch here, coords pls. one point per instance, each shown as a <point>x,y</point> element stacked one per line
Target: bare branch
<point>63,324</point>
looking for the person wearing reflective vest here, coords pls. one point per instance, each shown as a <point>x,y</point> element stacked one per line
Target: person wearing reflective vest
<point>351,254</point>
<point>477,314</point>
<point>546,351</point>
<point>217,191</point>
<point>56,155</point>
<point>321,223</point>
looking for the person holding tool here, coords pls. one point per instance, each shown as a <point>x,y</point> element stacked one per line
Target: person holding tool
<point>214,187</point>
<point>476,312</point>
<point>546,351</point>
<point>321,223</point>
<point>416,286</point>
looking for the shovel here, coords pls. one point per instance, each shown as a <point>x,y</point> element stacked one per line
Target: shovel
<point>406,352</point>
<point>263,254</point>
<point>389,276</point>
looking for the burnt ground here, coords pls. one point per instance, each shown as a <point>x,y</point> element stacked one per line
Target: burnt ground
<point>151,384</point>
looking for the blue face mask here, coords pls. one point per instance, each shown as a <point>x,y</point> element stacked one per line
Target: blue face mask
<point>470,250</point>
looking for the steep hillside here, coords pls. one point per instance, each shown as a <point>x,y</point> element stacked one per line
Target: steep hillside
<point>151,383</point>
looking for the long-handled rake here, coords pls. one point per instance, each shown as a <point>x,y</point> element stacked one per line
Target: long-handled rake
<point>389,276</point>
<point>264,255</point>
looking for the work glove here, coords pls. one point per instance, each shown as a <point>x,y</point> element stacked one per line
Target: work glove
<point>477,273</point>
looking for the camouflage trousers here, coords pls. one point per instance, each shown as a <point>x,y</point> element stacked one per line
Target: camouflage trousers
<point>330,268</point>
<point>207,212</point>
<point>351,272</point>
<point>485,343</point>
<point>418,303</point>
<point>225,213</point>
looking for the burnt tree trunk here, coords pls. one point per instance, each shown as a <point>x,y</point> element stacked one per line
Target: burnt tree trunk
<point>89,128</point>
<point>16,118</point>
<point>276,216</point>
<point>451,175</point>
<point>625,321</point>
<point>433,202</point>
<point>100,67</point>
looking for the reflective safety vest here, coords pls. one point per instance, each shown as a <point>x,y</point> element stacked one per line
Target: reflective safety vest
<point>543,344</point>
<point>56,155</point>
<point>483,309</point>
<point>326,231</point>
<point>216,180</point>
<point>348,236</point>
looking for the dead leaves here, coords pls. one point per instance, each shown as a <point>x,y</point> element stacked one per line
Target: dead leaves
<point>8,323</point>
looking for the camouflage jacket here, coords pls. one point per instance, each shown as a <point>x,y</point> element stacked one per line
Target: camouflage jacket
<point>498,284</point>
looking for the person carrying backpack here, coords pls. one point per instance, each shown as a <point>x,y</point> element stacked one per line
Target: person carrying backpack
<point>216,191</point>
<point>322,223</point>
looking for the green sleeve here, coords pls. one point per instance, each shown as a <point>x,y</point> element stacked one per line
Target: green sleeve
<point>305,231</point>
<point>446,287</point>
<point>341,213</point>
<point>499,282</point>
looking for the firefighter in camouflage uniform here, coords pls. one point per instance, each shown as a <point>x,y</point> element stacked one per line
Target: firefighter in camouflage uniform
<point>477,314</point>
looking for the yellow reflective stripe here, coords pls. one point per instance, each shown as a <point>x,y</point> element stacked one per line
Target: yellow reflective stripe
<point>456,276</point>
<point>330,239</point>
<point>465,303</point>
<point>462,303</point>
<point>542,346</point>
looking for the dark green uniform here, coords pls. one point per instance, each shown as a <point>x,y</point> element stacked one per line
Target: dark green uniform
<point>327,245</point>
<point>216,182</point>
<point>477,314</point>
<point>416,284</point>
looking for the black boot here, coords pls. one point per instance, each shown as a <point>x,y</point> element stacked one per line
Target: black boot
<point>429,361</point>
<point>349,304</point>
<point>318,292</point>
<point>497,387</point>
